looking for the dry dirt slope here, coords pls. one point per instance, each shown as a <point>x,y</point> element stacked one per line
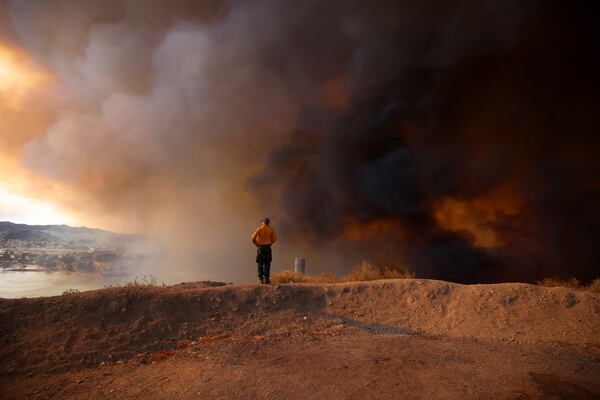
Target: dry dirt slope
<point>382,339</point>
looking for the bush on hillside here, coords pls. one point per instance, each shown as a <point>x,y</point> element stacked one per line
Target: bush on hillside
<point>554,282</point>
<point>572,283</point>
<point>594,286</point>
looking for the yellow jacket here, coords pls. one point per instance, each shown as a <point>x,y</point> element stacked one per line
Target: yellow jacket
<point>264,235</point>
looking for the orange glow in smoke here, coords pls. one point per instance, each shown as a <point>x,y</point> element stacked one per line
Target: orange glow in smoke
<point>18,76</point>
<point>334,93</point>
<point>381,229</point>
<point>478,217</point>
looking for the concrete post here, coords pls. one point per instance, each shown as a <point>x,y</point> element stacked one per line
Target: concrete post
<point>300,265</point>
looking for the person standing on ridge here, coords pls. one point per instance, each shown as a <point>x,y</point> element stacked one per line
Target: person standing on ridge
<point>263,237</point>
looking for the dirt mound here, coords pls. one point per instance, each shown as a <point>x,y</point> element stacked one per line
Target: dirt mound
<point>86,329</point>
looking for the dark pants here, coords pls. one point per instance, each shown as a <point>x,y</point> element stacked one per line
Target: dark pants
<point>263,261</point>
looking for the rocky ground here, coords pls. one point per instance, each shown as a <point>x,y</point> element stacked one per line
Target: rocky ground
<point>381,340</point>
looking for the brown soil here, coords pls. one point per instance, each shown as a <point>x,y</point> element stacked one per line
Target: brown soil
<point>381,340</point>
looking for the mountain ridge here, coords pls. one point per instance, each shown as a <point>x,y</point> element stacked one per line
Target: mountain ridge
<point>25,232</point>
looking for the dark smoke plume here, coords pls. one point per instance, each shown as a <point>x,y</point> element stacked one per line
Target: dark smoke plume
<point>454,103</point>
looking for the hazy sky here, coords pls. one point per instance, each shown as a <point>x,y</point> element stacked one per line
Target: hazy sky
<point>19,209</point>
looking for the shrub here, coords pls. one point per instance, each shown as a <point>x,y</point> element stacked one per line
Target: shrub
<point>572,283</point>
<point>147,280</point>
<point>391,273</point>
<point>368,272</point>
<point>554,282</point>
<point>288,277</point>
<point>594,286</point>
<point>327,277</point>
<point>364,272</point>
<point>70,291</point>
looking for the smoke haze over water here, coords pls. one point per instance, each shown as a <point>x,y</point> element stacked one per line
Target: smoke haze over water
<point>458,140</point>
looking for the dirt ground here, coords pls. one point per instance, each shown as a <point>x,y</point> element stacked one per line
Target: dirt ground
<point>376,340</point>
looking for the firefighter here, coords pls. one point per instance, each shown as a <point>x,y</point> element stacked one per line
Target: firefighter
<point>263,237</point>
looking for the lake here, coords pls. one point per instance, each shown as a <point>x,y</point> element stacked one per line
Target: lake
<point>15,284</point>
<point>34,283</point>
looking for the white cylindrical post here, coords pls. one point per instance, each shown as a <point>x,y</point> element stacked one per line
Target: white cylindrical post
<point>300,265</point>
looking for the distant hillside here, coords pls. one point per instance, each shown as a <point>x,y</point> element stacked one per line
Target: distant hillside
<point>61,233</point>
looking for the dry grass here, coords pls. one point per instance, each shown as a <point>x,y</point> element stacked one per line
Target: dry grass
<point>146,281</point>
<point>363,272</point>
<point>288,277</point>
<point>369,272</point>
<point>553,282</point>
<point>295,277</point>
<point>594,286</point>
<point>572,283</point>
<point>391,273</point>
<point>328,277</point>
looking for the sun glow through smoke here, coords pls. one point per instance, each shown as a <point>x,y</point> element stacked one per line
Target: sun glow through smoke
<point>18,76</point>
<point>20,209</point>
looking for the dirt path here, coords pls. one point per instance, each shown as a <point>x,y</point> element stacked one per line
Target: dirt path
<point>345,365</point>
<point>380,340</point>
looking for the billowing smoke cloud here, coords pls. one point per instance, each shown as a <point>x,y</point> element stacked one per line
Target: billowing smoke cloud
<point>469,148</point>
<point>457,140</point>
<point>170,110</point>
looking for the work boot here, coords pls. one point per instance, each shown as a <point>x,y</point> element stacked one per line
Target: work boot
<point>261,281</point>
<point>267,281</point>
